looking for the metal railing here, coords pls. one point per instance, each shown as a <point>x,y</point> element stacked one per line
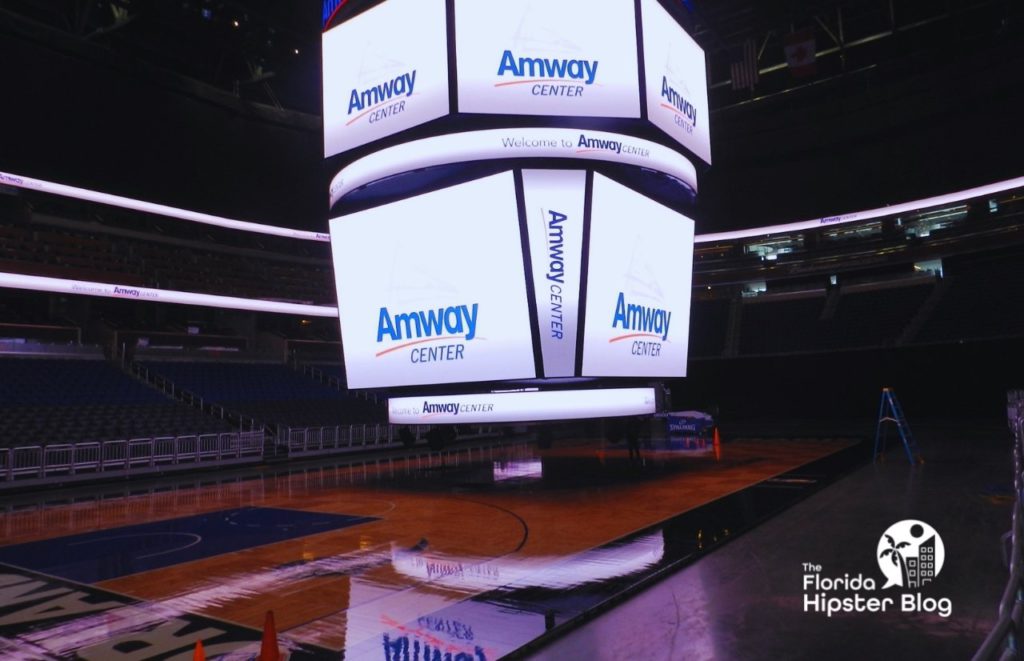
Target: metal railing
<point>20,466</point>
<point>308,441</point>
<point>311,441</point>
<point>1006,640</point>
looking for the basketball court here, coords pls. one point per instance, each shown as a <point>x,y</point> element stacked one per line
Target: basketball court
<point>475,551</point>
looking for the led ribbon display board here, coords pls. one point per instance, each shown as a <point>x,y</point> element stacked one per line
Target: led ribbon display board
<point>519,143</point>
<point>520,406</point>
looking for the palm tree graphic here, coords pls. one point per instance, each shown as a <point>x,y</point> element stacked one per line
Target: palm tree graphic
<point>897,558</point>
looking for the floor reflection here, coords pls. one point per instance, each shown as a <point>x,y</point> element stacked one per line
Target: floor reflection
<point>470,554</point>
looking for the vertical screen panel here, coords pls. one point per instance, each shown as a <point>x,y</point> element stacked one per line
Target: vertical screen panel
<point>639,272</point>
<point>554,216</point>
<point>677,85</point>
<point>385,71</point>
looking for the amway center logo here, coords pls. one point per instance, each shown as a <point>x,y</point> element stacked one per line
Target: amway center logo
<point>910,554</point>
<point>410,329</point>
<point>683,112</point>
<point>644,325</point>
<point>547,76</point>
<point>431,410</point>
<point>382,100</point>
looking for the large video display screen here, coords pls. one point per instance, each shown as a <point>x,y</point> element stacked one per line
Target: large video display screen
<point>677,85</point>
<point>639,271</point>
<point>384,71</point>
<point>432,289</point>
<point>550,57</point>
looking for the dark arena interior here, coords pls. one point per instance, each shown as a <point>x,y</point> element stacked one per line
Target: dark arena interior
<point>233,232</point>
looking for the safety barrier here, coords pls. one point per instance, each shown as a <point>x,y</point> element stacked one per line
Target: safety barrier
<point>39,464</point>
<point>311,441</point>
<point>1006,641</point>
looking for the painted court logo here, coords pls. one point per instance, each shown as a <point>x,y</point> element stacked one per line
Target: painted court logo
<point>910,554</point>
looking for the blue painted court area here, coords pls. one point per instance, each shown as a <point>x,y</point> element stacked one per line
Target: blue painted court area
<point>106,554</point>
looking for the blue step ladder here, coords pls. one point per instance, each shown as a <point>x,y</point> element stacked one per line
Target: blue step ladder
<point>889,410</point>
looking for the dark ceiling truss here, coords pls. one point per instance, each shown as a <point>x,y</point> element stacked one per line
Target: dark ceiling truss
<point>237,46</point>
<point>851,36</point>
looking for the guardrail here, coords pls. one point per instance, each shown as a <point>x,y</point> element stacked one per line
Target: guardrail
<point>1006,640</point>
<point>313,441</point>
<point>75,462</point>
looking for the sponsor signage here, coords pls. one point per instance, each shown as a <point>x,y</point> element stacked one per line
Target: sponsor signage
<point>493,144</point>
<point>432,289</point>
<point>554,212</point>
<point>385,71</point>
<point>520,406</point>
<point>557,57</point>
<point>676,80</point>
<point>638,285</point>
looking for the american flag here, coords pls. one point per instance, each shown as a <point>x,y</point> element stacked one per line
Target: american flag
<point>744,72</point>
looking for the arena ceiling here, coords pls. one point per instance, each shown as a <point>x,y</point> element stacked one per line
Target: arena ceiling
<point>877,83</point>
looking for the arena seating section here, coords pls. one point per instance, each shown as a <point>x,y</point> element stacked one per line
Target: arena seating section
<point>710,319</point>
<point>873,317</point>
<point>781,326</point>
<point>99,257</point>
<point>272,393</point>
<point>985,299</point>
<point>46,400</point>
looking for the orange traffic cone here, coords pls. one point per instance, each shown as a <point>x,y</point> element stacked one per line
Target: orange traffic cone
<point>269,650</point>
<point>199,654</point>
<point>716,443</point>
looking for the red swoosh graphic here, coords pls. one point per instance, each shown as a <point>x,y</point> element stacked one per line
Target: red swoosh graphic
<point>626,337</point>
<point>409,344</point>
<point>371,109</point>
<point>674,110</point>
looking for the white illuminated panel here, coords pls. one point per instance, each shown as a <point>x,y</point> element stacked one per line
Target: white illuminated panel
<point>384,71</point>
<point>63,190</point>
<point>547,57</point>
<point>637,319</point>
<point>520,406</point>
<point>528,142</point>
<point>677,84</point>
<point>135,293</point>
<point>432,289</point>
<point>554,213</point>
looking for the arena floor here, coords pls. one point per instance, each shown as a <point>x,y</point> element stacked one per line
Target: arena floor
<point>475,552</point>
